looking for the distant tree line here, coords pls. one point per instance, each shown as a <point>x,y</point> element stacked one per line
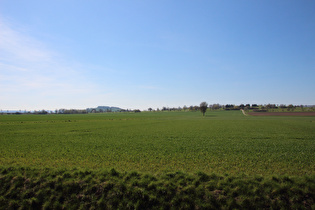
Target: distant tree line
<point>191,108</point>
<point>246,107</point>
<point>71,111</point>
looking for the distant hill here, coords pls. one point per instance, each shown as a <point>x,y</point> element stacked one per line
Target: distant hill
<point>104,109</point>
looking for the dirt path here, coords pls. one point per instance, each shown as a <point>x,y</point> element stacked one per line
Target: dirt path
<point>244,112</point>
<point>282,114</point>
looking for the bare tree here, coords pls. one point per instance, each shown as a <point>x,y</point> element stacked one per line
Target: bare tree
<point>203,107</point>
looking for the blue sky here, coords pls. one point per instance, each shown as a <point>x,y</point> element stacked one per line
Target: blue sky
<point>141,54</point>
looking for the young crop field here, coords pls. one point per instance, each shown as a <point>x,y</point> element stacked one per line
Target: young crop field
<point>221,142</point>
<point>224,143</point>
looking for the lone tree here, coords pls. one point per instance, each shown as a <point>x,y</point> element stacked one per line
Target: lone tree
<point>203,107</point>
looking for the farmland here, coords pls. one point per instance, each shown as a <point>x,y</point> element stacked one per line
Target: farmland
<point>223,143</point>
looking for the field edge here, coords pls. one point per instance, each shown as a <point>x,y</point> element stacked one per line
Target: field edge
<point>22,187</point>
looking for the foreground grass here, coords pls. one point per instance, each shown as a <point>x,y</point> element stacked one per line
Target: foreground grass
<point>27,188</point>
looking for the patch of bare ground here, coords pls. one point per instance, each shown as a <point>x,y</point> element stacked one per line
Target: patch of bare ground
<point>281,113</point>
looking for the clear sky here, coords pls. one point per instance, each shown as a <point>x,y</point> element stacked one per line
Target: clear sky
<point>141,54</point>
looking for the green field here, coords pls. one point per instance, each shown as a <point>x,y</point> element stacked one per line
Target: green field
<point>157,160</point>
<point>222,142</point>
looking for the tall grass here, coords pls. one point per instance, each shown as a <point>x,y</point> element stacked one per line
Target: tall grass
<point>27,188</point>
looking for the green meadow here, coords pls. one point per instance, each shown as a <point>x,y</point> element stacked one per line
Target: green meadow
<point>155,142</point>
<point>157,160</point>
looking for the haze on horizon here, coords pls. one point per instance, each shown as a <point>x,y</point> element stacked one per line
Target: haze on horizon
<point>141,54</point>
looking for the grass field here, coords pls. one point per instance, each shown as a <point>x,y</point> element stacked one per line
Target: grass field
<point>157,160</point>
<point>222,142</point>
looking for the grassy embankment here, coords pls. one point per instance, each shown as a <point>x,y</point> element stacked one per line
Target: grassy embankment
<point>226,159</point>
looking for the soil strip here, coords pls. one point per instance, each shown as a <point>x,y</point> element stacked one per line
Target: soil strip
<point>281,113</point>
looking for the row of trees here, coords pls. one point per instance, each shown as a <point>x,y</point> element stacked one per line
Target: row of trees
<point>254,107</point>
<point>86,111</point>
<point>71,111</point>
<point>203,107</point>
<point>184,108</point>
<point>197,108</point>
